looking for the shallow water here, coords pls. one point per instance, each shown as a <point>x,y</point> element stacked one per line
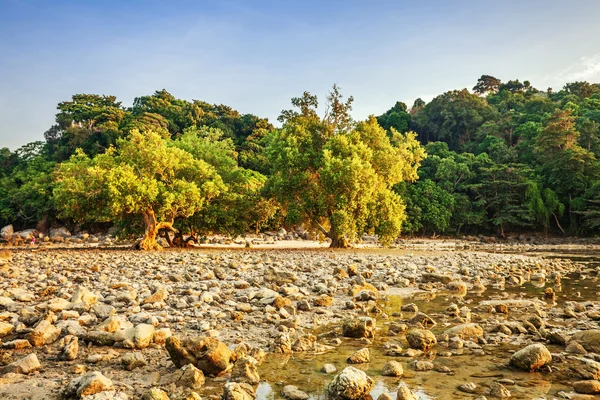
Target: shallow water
<point>303,370</point>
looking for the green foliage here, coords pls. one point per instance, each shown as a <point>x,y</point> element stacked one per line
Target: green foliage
<point>325,173</point>
<point>144,175</point>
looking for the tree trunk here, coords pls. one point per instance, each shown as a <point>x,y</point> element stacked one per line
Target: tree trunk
<point>152,228</point>
<point>558,223</point>
<point>337,241</point>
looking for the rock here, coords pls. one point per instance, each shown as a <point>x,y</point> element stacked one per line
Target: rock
<point>328,368</point>
<point>238,391</point>
<point>293,393</point>
<point>7,231</point>
<point>590,340</point>
<point>587,387</point>
<point>178,353</point>
<point>498,390</point>
<point>470,387</point>
<point>100,338</point>
<point>282,344</point>
<point>279,277</point>
<point>131,361</point>
<point>421,365</point>
<point>588,369</point>
<point>25,365</point>
<point>212,355</point>
<point>465,331</point>
<point>83,295</point>
<point>61,232</point>
<point>5,329</point>
<point>69,348</point>
<point>384,396</point>
<point>575,348</point>
<point>158,296</point>
<point>404,393</point>
<point>323,301</point>
<point>458,288</point>
<point>108,395</point>
<point>155,394</point>
<point>350,384</point>
<point>138,337</point>
<point>359,328</point>
<point>245,370</point>
<point>361,356</point>
<point>44,333</point>
<point>531,358</point>
<point>88,384</point>
<point>392,368</point>
<point>431,277</point>
<point>103,311</point>
<point>305,343</point>
<point>191,377</point>
<point>420,339</point>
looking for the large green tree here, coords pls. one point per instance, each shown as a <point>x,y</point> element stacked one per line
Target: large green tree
<point>337,177</point>
<point>145,175</point>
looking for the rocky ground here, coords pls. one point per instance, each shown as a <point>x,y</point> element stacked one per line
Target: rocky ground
<point>195,324</point>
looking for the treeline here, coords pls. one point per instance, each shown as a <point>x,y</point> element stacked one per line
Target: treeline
<point>502,157</point>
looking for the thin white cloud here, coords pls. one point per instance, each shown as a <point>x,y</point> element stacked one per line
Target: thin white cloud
<point>588,68</point>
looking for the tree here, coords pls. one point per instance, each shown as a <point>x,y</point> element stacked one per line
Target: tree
<point>454,118</point>
<point>396,117</point>
<point>339,181</point>
<point>145,175</point>
<point>487,84</point>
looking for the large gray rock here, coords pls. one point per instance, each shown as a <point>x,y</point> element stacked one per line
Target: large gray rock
<point>392,368</point>
<point>7,231</point>
<point>350,384</point>
<point>245,370</point>
<point>404,393</point>
<point>69,348</point>
<point>531,358</point>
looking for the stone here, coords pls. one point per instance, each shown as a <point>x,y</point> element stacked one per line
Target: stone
<point>498,390</point>
<point>587,387</point>
<point>245,370</point>
<point>278,276</point>
<point>392,368</point>
<point>404,393</point>
<point>458,288</point>
<point>155,394</point>
<point>44,333</point>
<point>212,355</point>
<point>160,335</point>
<point>108,395</point>
<point>350,384</point>
<point>103,311</point>
<point>469,387</point>
<point>323,301</point>
<point>191,377</point>
<point>361,356</point>
<point>180,356</point>
<point>384,396</point>
<point>588,369</point>
<point>100,338</point>
<point>5,329</point>
<point>238,391</point>
<point>131,361</point>
<point>305,343</point>
<point>531,358</point>
<point>138,337</point>
<point>158,296</point>
<point>422,365</point>
<point>359,328</point>
<point>282,343</point>
<point>465,331</point>
<point>328,368</point>
<point>88,384</point>
<point>293,393</point>
<point>83,295</point>
<point>420,339</point>
<point>590,339</point>
<point>7,231</point>
<point>25,365</point>
<point>69,348</point>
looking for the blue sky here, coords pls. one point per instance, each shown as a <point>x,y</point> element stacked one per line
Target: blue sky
<point>256,55</point>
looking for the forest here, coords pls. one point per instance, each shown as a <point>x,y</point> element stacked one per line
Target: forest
<point>501,158</point>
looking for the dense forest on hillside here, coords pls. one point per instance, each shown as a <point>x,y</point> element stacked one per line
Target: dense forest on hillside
<point>503,157</point>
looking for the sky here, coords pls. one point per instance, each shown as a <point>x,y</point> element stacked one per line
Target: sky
<point>255,55</point>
